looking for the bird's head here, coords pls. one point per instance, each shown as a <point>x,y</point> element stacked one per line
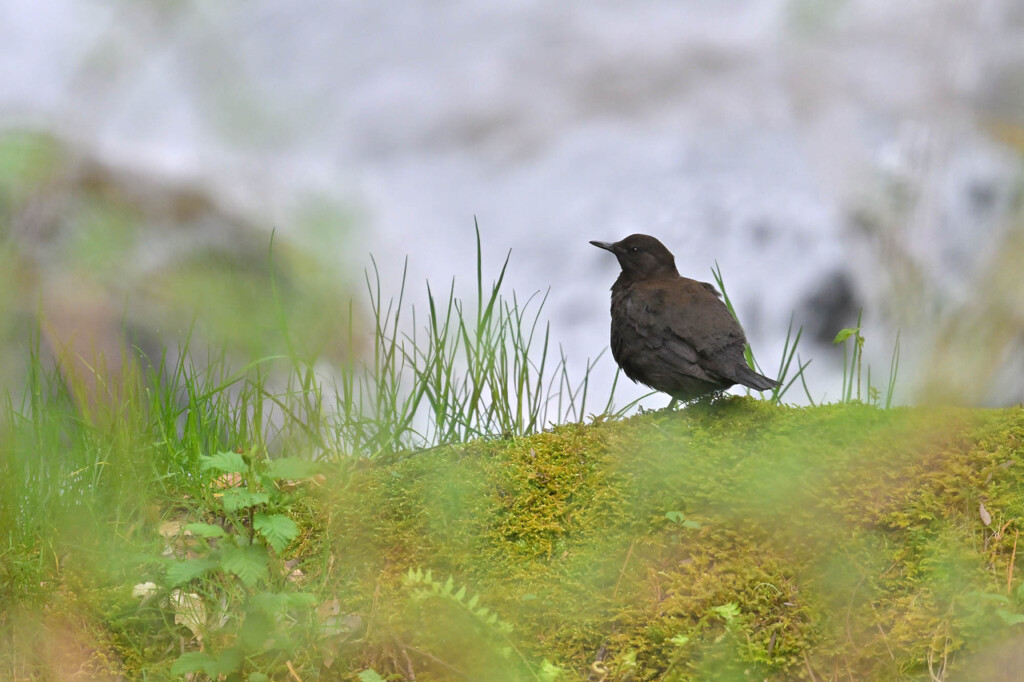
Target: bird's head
<point>641,256</point>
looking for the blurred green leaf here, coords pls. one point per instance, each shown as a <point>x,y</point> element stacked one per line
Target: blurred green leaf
<point>240,498</point>
<point>290,468</point>
<point>206,530</point>
<point>181,572</point>
<point>845,334</point>
<point>226,461</point>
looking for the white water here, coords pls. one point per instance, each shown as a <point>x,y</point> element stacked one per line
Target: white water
<point>743,132</point>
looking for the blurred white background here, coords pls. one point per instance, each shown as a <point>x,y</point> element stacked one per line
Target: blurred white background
<point>828,155</point>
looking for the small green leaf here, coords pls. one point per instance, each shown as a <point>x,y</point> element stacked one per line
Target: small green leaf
<point>290,467</point>
<point>461,594</point>
<point>845,334</point>
<point>277,529</point>
<point>370,675</point>
<point>206,530</point>
<point>680,640</point>
<point>248,562</point>
<point>675,516</point>
<point>225,461</point>
<point>727,612</point>
<point>694,525</point>
<point>181,572</point>
<point>241,498</point>
<point>449,585</point>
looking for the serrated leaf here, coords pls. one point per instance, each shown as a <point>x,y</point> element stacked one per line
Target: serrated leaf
<point>248,562</point>
<point>471,604</point>
<point>461,594</point>
<point>241,498</point>
<point>276,529</point>
<point>206,530</point>
<point>727,612</point>
<point>290,467</point>
<point>370,675</point>
<point>226,461</point>
<point>181,572</point>
<point>492,619</point>
<point>449,585</point>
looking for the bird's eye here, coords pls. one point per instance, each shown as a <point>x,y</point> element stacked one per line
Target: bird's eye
<point>635,249</point>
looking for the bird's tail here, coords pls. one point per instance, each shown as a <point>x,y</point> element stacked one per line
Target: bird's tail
<point>752,379</point>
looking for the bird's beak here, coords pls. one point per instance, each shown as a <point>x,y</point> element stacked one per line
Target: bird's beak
<point>607,246</point>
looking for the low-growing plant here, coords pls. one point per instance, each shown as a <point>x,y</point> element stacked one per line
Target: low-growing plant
<point>245,610</point>
<point>423,586</point>
<point>853,358</point>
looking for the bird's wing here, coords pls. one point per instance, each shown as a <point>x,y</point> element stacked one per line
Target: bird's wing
<point>685,319</point>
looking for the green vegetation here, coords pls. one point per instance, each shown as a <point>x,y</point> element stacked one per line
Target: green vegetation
<point>412,518</point>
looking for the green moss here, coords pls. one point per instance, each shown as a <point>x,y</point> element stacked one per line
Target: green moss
<point>726,541</point>
<point>847,538</point>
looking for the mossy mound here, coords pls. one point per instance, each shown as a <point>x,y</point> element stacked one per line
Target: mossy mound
<point>736,540</point>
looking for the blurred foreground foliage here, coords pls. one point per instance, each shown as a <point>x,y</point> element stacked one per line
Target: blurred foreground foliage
<point>731,540</point>
<point>103,257</point>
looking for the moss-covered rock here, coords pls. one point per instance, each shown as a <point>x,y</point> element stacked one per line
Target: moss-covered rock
<point>736,540</point>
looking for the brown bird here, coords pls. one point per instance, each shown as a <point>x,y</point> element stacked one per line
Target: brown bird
<point>672,333</point>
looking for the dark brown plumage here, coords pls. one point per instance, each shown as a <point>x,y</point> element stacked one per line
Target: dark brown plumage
<point>672,333</point>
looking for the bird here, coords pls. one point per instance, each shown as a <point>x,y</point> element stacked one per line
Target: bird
<point>670,332</point>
